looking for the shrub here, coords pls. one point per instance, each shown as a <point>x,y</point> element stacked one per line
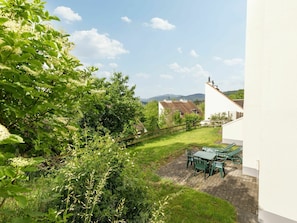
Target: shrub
<point>100,183</point>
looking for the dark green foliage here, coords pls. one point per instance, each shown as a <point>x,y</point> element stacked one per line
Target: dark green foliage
<point>192,120</point>
<point>151,116</point>
<point>236,95</point>
<point>115,110</point>
<point>40,83</point>
<point>100,183</point>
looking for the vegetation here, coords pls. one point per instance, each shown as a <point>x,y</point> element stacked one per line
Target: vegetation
<point>167,119</point>
<point>219,119</point>
<point>236,94</point>
<point>59,156</point>
<point>151,116</point>
<point>68,120</point>
<point>183,204</point>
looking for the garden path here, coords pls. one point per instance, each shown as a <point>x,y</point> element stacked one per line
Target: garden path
<point>240,190</point>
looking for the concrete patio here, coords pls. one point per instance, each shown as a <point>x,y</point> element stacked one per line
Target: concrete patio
<point>241,191</point>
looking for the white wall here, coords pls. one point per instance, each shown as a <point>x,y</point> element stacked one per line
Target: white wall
<point>160,109</point>
<point>233,132</point>
<point>217,102</point>
<point>270,121</point>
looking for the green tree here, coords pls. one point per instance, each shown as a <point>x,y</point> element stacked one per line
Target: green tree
<point>151,116</point>
<point>13,170</point>
<point>237,95</point>
<point>40,84</point>
<point>177,119</point>
<point>115,109</point>
<point>192,120</point>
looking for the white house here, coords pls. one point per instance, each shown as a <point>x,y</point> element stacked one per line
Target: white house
<point>232,132</point>
<point>218,102</point>
<point>270,120</point>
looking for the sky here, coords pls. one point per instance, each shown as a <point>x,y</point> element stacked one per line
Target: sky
<point>163,46</point>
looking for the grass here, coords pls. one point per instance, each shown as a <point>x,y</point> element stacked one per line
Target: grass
<point>185,204</point>
<point>156,151</point>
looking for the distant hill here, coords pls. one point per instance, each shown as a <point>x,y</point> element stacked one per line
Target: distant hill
<point>192,97</point>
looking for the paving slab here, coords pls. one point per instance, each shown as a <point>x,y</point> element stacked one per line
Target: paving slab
<point>240,190</point>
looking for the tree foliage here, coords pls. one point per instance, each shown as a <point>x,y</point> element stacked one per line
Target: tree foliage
<point>106,187</point>
<point>115,110</point>
<point>151,116</point>
<point>237,95</point>
<point>40,83</point>
<point>49,100</point>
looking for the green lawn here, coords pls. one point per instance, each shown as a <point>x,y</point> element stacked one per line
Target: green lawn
<point>184,204</point>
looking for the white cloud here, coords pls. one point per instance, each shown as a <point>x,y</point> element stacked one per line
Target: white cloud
<point>234,61</point>
<point>180,50</point>
<point>178,69</point>
<point>91,45</point>
<point>166,76</point>
<point>126,19</point>
<point>143,75</point>
<point>230,62</point>
<point>113,65</point>
<point>193,53</point>
<point>99,65</point>
<point>217,58</point>
<point>103,73</point>
<point>158,23</point>
<point>196,70</point>
<point>67,14</point>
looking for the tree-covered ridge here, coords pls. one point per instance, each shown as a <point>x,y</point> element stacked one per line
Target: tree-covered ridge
<point>239,94</point>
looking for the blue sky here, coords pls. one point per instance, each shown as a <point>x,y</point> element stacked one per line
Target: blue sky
<point>164,46</point>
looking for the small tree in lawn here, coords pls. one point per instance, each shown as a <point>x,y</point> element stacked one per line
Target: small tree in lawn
<point>192,120</point>
<point>151,116</point>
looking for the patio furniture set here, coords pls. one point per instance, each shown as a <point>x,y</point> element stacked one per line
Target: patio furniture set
<point>210,159</point>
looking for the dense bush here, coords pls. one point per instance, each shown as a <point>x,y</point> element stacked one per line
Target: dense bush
<point>100,183</point>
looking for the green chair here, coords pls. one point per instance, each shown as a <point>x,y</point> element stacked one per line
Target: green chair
<point>219,150</point>
<point>200,164</point>
<point>232,155</point>
<point>190,158</point>
<point>218,165</point>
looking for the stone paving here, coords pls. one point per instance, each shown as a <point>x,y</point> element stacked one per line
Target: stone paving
<point>241,191</point>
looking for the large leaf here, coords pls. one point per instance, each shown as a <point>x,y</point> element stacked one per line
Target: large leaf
<point>12,139</point>
<point>21,200</point>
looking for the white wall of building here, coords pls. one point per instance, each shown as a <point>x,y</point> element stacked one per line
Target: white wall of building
<point>233,132</point>
<point>270,120</point>
<point>217,102</point>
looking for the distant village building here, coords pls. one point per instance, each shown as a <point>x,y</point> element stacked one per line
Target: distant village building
<point>181,106</point>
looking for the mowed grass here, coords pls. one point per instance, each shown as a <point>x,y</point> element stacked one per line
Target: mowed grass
<point>185,204</point>
<point>156,151</point>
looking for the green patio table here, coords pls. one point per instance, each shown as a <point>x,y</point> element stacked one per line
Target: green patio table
<point>205,155</point>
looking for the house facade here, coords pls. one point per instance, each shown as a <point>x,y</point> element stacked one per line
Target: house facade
<point>270,120</point>
<point>217,102</point>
